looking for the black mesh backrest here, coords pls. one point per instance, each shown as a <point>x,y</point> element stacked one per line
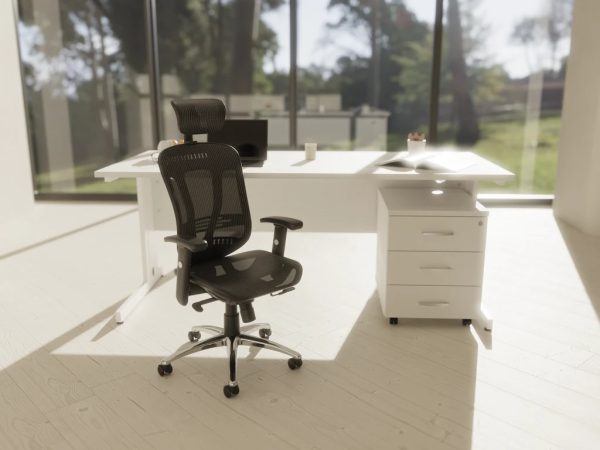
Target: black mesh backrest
<point>206,186</point>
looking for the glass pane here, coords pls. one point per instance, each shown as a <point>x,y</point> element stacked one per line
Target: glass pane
<point>235,50</point>
<point>502,87</point>
<point>364,72</point>
<point>84,65</point>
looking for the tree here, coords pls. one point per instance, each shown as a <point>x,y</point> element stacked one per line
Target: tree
<point>391,31</point>
<point>468,127</point>
<point>559,27</point>
<point>547,31</point>
<point>220,47</point>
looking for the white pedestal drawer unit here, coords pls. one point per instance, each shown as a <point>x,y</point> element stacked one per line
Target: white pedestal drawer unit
<point>430,254</point>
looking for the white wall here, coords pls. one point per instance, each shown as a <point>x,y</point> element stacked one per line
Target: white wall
<point>16,189</point>
<point>578,178</point>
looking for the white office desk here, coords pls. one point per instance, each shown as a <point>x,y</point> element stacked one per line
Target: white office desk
<point>335,192</point>
<point>330,164</point>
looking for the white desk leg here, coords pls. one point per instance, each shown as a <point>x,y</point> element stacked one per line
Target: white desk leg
<point>484,319</point>
<point>150,267</point>
<point>470,187</point>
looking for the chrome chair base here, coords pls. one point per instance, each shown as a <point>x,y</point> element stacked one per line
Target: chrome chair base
<point>219,339</point>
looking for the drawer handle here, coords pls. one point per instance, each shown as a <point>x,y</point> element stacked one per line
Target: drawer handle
<point>435,303</point>
<point>437,233</point>
<point>435,268</point>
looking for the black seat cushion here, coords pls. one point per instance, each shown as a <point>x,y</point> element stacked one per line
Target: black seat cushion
<point>244,276</point>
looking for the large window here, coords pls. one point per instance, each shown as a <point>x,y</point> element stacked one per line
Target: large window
<point>364,72</point>
<point>230,50</point>
<point>502,82</point>
<point>347,74</point>
<point>84,71</point>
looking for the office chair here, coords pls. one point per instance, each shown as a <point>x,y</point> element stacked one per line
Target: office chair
<point>206,187</point>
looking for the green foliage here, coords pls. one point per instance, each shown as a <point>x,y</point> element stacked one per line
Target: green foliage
<point>413,83</point>
<point>200,48</point>
<point>502,142</point>
<point>489,84</point>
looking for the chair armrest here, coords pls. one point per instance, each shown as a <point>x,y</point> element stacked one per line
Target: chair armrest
<point>282,224</point>
<point>193,245</point>
<point>288,222</point>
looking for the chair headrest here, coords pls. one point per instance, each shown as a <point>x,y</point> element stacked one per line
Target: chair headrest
<point>199,116</point>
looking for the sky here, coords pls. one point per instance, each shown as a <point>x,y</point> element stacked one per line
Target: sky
<point>318,45</point>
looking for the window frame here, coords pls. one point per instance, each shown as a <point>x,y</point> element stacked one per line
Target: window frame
<point>157,125</point>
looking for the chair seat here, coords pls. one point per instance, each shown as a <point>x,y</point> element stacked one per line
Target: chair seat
<point>245,276</point>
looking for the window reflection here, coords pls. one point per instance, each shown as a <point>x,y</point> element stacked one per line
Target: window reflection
<point>227,49</point>
<point>364,72</point>
<point>364,77</point>
<point>81,60</point>
<point>502,84</point>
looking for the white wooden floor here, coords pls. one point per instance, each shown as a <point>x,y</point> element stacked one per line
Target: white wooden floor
<point>70,379</point>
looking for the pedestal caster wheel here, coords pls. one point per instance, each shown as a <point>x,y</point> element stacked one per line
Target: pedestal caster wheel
<point>165,369</point>
<point>294,363</point>
<point>194,336</point>
<point>264,333</point>
<point>466,322</point>
<point>393,321</point>
<point>231,391</point>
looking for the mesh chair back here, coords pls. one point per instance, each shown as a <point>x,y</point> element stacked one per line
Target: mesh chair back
<point>206,187</point>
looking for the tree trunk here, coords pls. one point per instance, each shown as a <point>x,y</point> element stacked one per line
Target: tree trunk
<point>219,81</point>
<point>242,64</point>
<point>375,78</point>
<point>464,109</point>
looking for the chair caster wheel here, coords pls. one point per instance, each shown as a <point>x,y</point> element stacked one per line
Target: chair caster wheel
<point>164,369</point>
<point>466,322</point>
<point>194,336</point>
<point>393,321</point>
<point>264,333</point>
<point>231,391</point>
<point>294,363</point>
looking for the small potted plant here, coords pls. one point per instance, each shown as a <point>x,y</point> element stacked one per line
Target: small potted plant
<point>416,142</point>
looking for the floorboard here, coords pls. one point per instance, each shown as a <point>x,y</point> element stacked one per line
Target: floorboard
<point>71,379</point>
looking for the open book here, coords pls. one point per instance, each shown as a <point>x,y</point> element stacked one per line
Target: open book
<point>439,161</point>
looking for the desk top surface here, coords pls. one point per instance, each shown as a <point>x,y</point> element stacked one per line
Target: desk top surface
<point>328,164</point>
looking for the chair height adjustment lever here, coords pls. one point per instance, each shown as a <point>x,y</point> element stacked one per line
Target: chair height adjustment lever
<point>198,305</point>
<point>284,291</point>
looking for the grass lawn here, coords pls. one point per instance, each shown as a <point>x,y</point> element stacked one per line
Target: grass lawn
<point>85,182</point>
<point>502,142</point>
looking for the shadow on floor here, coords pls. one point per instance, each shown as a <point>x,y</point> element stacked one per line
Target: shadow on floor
<point>405,386</point>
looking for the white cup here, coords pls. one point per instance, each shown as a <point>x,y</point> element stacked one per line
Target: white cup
<point>415,146</point>
<point>310,150</point>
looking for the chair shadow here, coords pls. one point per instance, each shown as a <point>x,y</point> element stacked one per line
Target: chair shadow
<point>585,253</point>
<point>388,386</point>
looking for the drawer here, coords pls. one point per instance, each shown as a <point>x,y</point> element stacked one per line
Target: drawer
<point>435,268</point>
<point>434,302</point>
<point>424,233</point>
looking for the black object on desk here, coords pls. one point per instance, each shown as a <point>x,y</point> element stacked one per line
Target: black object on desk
<point>248,137</point>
